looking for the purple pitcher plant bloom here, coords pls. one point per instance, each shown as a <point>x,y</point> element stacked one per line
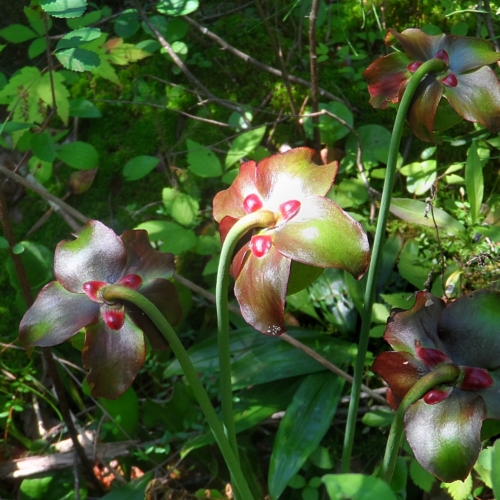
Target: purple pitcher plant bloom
<point>466,82</point>
<point>114,348</point>
<point>308,228</point>
<point>443,428</point>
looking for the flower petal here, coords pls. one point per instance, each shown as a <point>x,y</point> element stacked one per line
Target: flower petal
<point>97,254</point>
<point>261,288</point>
<point>55,316</point>
<point>386,76</point>
<point>230,201</point>
<point>321,234</point>
<point>417,45</point>
<point>476,98</point>
<point>293,175</point>
<point>470,329</point>
<point>400,370</point>
<point>163,294</point>
<point>445,437</point>
<point>424,106</point>
<point>469,53</point>
<point>418,324</point>
<point>113,358</point>
<point>144,260</point>
<point>491,396</point>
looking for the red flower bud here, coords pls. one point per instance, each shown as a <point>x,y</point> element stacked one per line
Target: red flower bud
<point>113,315</point>
<point>475,379</point>
<point>92,289</point>
<point>450,80</point>
<point>260,245</point>
<point>289,209</point>
<point>132,281</point>
<point>252,203</point>
<point>413,66</point>
<point>436,396</point>
<point>443,55</point>
<point>431,357</point>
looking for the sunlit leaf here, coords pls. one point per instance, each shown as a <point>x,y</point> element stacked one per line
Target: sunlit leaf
<point>139,167</point>
<point>78,154</point>
<point>64,8</point>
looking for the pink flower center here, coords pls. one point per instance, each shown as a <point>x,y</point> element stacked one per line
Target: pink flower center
<point>252,203</point>
<point>450,80</point>
<point>413,66</point>
<point>475,379</point>
<point>443,55</point>
<point>260,245</point>
<point>289,209</point>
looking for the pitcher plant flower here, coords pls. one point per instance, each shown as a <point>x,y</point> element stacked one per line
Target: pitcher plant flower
<point>466,82</point>
<point>114,348</point>
<point>308,228</point>
<point>443,428</point>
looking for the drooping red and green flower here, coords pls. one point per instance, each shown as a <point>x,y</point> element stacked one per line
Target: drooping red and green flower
<point>307,228</point>
<point>114,348</point>
<point>443,428</point>
<point>466,82</point>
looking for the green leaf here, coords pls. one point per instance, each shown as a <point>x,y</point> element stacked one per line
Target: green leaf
<point>139,167</point>
<point>124,411</point>
<point>410,267</point>
<point>37,47</point>
<point>88,18</point>
<point>495,468</point>
<point>182,207</point>
<point>305,423</point>
<point>82,108</point>
<point>331,130</point>
<point>78,154</point>
<point>17,33</point>
<point>420,176</point>
<point>174,238</point>
<point>474,183</point>
<point>356,487</point>
<point>3,243</point>
<point>414,210</point>
<point>460,490</point>
<point>423,479</point>
<point>375,141</point>
<point>202,161</point>
<point>64,8</point>
<point>177,7</point>
<point>78,37</point>
<point>78,59</point>
<point>244,144</point>
<point>43,146</point>
<point>36,21</point>
<point>378,418</point>
<point>127,23</point>
<point>118,52</point>
<point>133,490</point>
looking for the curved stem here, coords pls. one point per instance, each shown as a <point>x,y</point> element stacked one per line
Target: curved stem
<point>120,293</point>
<point>376,258</point>
<point>444,374</point>
<point>261,218</point>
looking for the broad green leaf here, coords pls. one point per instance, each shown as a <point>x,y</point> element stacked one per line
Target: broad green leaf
<point>378,418</point>
<point>133,490</point>
<point>42,170</point>
<point>127,23</point>
<point>124,411</point>
<point>474,183</point>
<point>357,487</point>
<point>331,130</point>
<point>17,33</point>
<point>460,490</point>
<point>78,37</point>
<point>305,423</point>
<point>202,161</point>
<point>420,176</point>
<point>36,21</point>
<point>78,59</point>
<point>58,485</point>
<point>3,243</point>
<point>44,91</point>
<point>139,167</point>
<point>82,108</point>
<point>64,8</point>
<point>118,52</point>
<point>37,47</point>
<point>85,20</point>
<point>414,210</point>
<point>182,207</point>
<point>375,141</point>
<point>410,267</point>
<point>495,468</point>
<point>177,7</point>
<point>43,146</point>
<point>423,479</point>
<point>173,238</point>
<point>78,154</point>
<point>244,144</point>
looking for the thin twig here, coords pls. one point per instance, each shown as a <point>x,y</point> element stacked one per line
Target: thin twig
<point>287,338</point>
<point>258,64</point>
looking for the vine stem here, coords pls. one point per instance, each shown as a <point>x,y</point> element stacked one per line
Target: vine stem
<point>261,218</point>
<point>434,65</point>
<point>120,293</point>
<point>444,374</point>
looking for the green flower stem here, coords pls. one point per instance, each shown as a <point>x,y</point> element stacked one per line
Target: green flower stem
<point>261,218</point>
<point>434,65</point>
<point>120,293</point>
<point>444,374</point>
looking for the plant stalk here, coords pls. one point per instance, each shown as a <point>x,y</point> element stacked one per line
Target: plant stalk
<point>376,258</point>
<point>261,218</point>
<point>444,374</point>
<point>121,293</point>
